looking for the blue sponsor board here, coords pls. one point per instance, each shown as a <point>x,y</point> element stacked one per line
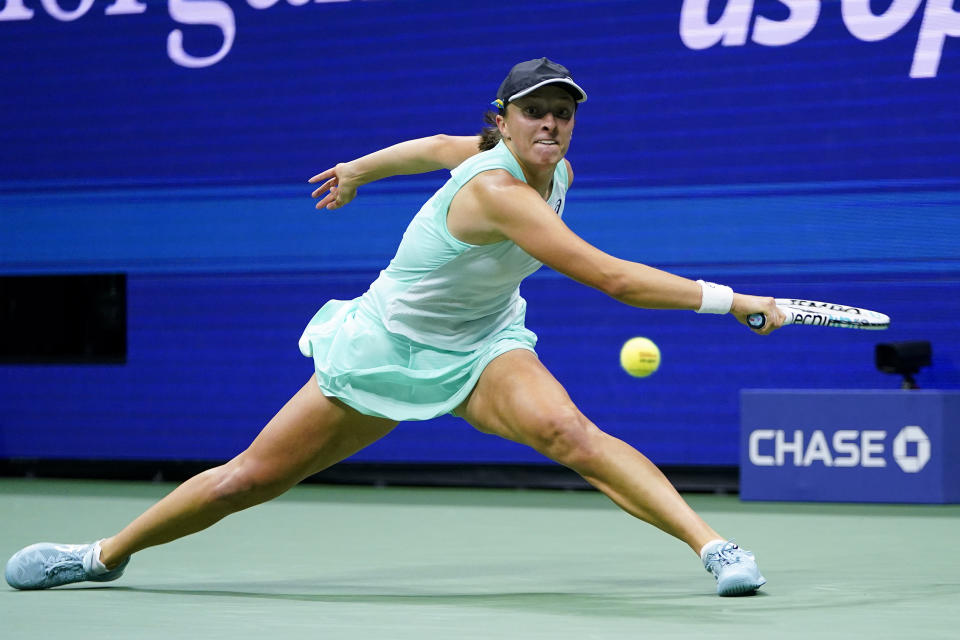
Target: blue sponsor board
<point>792,149</point>
<point>850,446</point>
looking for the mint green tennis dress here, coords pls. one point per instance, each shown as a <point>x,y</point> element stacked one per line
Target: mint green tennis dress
<point>414,345</point>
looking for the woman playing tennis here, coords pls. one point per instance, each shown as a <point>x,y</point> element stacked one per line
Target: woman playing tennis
<point>442,330</point>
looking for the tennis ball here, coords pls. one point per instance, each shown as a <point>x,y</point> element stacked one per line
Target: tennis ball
<point>639,357</point>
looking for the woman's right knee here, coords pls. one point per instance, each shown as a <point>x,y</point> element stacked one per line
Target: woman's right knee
<point>241,484</point>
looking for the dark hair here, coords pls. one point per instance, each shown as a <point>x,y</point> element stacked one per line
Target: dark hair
<point>490,134</point>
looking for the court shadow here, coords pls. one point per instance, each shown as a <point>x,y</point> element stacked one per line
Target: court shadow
<point>643,600</point>
<point>640,603</point>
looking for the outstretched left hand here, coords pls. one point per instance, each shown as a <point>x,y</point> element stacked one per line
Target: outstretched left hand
<point>338,185</point>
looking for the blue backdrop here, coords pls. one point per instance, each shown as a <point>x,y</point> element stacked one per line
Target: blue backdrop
<point>788,149</point>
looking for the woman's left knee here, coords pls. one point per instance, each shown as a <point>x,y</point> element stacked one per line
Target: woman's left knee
<point>568,437</point>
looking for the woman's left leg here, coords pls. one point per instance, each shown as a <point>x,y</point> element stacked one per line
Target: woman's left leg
<point>519,399</point>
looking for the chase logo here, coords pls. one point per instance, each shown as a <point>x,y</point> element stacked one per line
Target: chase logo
<point>912,435</point>
<point>843,448</point>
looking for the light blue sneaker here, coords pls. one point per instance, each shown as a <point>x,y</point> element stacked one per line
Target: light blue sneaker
<point>47,564</point>
<point>734,568</point>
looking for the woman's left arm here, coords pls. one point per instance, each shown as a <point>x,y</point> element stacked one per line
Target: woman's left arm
<point>340,182</point>
<point>505,206</point>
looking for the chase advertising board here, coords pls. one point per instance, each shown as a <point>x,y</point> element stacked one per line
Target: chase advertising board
<point>875,446</point>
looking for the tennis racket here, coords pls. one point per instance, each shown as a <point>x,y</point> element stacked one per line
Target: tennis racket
<point>823,314</point>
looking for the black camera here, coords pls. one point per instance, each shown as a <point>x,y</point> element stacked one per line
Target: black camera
<point>904,358</point>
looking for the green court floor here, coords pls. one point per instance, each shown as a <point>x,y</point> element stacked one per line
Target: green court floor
<point>329,563</point>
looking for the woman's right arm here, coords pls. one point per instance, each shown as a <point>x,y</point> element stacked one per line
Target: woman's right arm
<point>441,151</point>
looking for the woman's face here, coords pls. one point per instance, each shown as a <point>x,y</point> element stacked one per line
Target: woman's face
<point>538,126</point>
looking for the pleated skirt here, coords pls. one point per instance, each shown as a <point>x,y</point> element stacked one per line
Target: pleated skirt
<point>384,374</point>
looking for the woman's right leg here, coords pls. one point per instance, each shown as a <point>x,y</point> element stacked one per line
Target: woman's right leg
<point>310,433</point>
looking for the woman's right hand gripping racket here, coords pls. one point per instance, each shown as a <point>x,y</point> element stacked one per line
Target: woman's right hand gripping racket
<point>823,314</point>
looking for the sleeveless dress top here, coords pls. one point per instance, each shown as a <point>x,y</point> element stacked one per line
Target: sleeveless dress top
<point>414,345</point>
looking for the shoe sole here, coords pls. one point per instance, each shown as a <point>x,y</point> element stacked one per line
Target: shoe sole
<point>741,587</point>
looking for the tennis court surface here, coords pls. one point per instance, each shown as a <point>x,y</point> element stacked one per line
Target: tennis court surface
<point>399,563</point>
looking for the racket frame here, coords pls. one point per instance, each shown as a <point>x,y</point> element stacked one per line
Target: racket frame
<point>825,314</point>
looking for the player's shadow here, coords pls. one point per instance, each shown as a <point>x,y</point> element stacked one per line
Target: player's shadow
<point>648,601</point>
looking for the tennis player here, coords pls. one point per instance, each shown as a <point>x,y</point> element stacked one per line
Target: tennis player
<point>442,330</point>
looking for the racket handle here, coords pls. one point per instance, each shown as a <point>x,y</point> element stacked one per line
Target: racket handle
<point>756,320</point>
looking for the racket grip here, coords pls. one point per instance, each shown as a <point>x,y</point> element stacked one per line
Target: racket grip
<point>756,320</point>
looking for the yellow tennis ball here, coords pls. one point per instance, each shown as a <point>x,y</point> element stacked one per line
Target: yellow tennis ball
<point>639,357</point>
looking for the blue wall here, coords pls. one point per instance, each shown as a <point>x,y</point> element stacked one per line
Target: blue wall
<point>825,168</point>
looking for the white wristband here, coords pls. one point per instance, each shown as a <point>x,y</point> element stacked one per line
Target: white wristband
<point>715,298</point>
